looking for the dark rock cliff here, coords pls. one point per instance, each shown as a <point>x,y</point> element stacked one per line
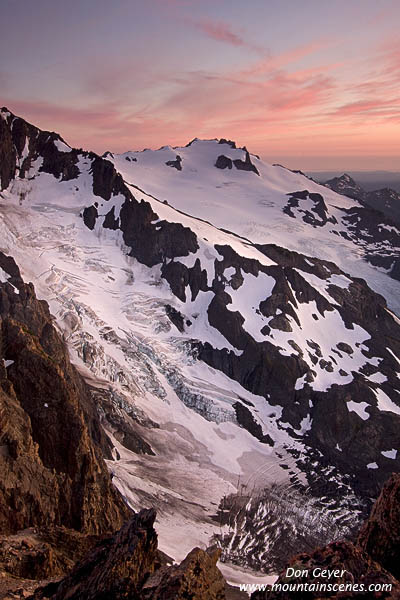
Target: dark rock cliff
<point>380,535</point>
<point>51,442</point>
<point>17,135</point>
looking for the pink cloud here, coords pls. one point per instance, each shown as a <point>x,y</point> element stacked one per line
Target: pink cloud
<point>53,112</point>
<point>217,30</point>
<point>272,106</point>
<point>284,59</point>
<point>221,31</point>
<point>369,106</point>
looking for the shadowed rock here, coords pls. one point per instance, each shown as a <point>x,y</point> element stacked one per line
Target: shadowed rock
<point>196,578</point>
<point>350,566</point>
<point>176,164</point>
<point>128,565</point>
<point>246,165</point>
<point>51,468</point>
<point>223,162</point>
<point>380,535</point>
<point>116,568</point>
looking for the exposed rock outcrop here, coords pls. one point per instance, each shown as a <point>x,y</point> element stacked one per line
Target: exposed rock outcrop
<point>224,162</point>
<point>350,566</point>
<point>310,207</point>
<point>128,565</point>
<point>23,143</point>
<point>197,577</point>
<point>246,164</point>
<point>176,164</point>
<point>115,568</point>
<point>46,553</point>
<point>380,534</point>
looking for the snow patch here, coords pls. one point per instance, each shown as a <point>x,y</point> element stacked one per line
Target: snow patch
<point>359,408</point>
<point>390,453</point>
<point>385,403</point>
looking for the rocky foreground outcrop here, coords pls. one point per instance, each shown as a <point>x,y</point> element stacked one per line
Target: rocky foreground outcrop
<point>380,535</point>
<point>372,560</point>
<point>128,565</point>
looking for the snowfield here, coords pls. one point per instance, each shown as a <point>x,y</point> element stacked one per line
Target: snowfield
<point>250,205</point>
<point>94,289</point>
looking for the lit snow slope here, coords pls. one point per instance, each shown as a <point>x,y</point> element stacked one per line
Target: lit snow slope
<point>216,357</point>
<point>236,191</point>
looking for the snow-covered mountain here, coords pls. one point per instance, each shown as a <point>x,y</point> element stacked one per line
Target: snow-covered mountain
<point>211,184</point>
<point>214,303</point>
<point>346,186</point>
<point>384,199</point>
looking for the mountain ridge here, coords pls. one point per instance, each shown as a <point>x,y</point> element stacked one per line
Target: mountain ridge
<point>258,342</point>
<point>384,199</point>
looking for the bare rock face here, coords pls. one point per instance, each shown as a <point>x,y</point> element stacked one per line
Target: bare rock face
<point>28,557</point>
<point>43,554</point>
<point>197,578</point>
<point>51,443</point>
<point>128,565</point>
<point>114,569</point>
<point>380,535</point>
<point>16,135</point>
<point>176,164</point>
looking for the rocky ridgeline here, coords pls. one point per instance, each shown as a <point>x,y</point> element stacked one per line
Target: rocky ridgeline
<point>21,144</point>
<point>52,444</point>
<point>128,565</point>
<point>385,200</point>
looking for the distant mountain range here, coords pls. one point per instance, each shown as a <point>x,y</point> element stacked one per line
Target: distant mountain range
<point>385,199</point>
<point>368,180</point>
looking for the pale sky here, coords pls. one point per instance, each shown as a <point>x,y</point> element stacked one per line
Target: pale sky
<point>312,84</point>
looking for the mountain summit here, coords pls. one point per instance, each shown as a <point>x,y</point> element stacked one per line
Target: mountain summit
<point>384,200</point>
<point>214,304</point>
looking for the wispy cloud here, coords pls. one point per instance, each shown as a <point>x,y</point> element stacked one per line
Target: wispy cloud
<point>375,107</point>
<point>222,31</point>
<point>300,100</point>
<point>289,57</point>
<point>376,95</point>
<point>217,30</point>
